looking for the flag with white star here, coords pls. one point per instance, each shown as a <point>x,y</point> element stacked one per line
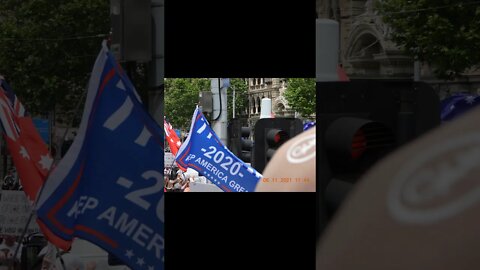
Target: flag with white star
<point>29,152</point>
<point>458,104</point>
<point>108,188</point>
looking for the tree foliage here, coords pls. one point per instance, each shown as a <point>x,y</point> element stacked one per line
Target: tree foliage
<point>241,98</point>
<point>301,95</point>
<point>181,97</point>
<point>48,48</point>
<point>443,33</point>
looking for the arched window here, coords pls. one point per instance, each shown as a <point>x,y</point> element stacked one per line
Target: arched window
<point>258,105</point>
<point>252,105</point>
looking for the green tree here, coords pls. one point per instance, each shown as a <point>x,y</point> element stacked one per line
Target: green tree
<point>443,33</point>
<point>181,97</point>
<point>301,95</point>
<point>48,48</point>
<point>241,97</point>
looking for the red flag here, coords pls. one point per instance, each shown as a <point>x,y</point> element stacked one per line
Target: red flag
<point>173,140</point>
<point>29,152</point>
<point>171,137</point>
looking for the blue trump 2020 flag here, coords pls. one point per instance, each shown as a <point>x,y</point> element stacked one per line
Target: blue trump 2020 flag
<point>204,152</point>
<point>108,188</point>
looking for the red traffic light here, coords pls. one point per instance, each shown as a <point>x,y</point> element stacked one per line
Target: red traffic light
<point>355,142</point>
<point>270,134</point>
<point>276,137</point>
<point>359,144</point>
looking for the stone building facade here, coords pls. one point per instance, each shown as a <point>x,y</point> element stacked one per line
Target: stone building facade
<point>272,88</point>
<point>367,52</point>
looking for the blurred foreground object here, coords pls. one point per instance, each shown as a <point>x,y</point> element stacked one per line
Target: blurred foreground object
<point>361,122</point>
<point>292,168</point>
<point>417,209</point>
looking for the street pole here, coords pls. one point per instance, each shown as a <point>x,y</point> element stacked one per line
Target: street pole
<point>326,49</point>
<point>233,102</point>
<point>219,122</point>
<point>416,71</point>
<point>156,69</point>
<point>327,40</point>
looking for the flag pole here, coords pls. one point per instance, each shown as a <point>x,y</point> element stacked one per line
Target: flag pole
<point>46,177</point>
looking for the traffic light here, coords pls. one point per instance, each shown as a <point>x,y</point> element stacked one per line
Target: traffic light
<point>239,139</point>
<point>247,145</point>
<point>269,135</point>
<point>131,30</point>
<point>205,100</point>
<point>360,122</point>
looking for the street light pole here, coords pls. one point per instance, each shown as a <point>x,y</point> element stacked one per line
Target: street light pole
<point>416,71</point>
<point>219,123</point>
<point>156,68</point>
<point>233,87</point>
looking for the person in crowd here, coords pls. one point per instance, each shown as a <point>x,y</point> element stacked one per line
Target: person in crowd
<point>60,260</point>
<point>68,261</point>
<point>165,182</point>
<point>173,179</point>
<point>10,181</point>
<point>170,183</point>
<point>177,187</point>
<point>186,187</point>
<point>7,251</point>
<point>175,183</point>
<point>180,175</point>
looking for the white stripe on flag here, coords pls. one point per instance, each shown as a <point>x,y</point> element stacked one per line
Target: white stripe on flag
<point>6,117</point>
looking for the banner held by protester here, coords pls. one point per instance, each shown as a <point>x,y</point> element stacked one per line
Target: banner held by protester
<point>108,188</point>
<point>204,152</point>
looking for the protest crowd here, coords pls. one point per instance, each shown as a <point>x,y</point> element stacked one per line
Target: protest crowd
<point>8,244</point>
<point>26,257</point>
<point>176,180</point>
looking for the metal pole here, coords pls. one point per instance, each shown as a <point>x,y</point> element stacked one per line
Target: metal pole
<point>155,95</point>
<point>219,95</point>
<point>416,71</point>
<point>327,40</point>
<point>233,102</point>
